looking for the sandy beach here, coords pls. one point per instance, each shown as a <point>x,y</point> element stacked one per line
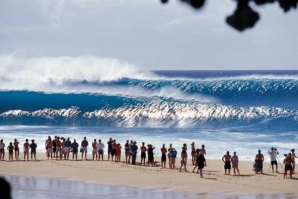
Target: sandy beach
<point>112,173</point>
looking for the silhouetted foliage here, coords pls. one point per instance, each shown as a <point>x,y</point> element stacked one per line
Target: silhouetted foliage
<point>244,16</point>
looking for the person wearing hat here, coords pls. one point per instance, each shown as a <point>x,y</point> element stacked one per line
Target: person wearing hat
<point>33,147</point>
<point>293,159</point>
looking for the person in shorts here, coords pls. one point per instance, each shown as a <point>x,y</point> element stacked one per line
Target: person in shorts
<point>288,161</point>
<point>100,146</point>
<point>94,149</point>
<point>143,149</point>
<point>273,159</point>
<point>16,149</point>
<point>67,148</point>
<point>84,145</point>
<point>75,149</point>
<point>227,160</point>
<point>2,150</point>
<point>10,149</point>
<point>163,151</point>
<point>33,147</point>
<point>26,150</point>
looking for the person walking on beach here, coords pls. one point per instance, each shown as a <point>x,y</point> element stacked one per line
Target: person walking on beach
<point>49,146</point>
<point>183,158</point>
<point>16,149</point>
<point>33,147</point>
<point>227,160</point>
<point>94,149</point>
<point>110,142</point>
<point>193,153</point>
<point>288,161</point>
<point>200,162</point>
<point>169,154</point>
<point>10,149</point>
<point>143,149</point>
<point>67,145</point>
<point>273,155</point>
<point>75,149</point>
<point>163,151</point>
<point>293,159</point>
<point>235,163</point>
<point>100,147</point>
<point>203,151</point>
<point>259,162</point>
<point>134,151</point>
<point>127,152</point>
<point>2,150</point>
<point>26,150</point>
<point>84,145</point>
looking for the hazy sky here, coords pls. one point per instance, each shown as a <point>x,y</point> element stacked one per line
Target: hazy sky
<point>148,34</point>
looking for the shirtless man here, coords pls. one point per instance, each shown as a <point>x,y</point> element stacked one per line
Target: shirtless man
<point>163,151</point>
<point>26,150</point>
<point>259,162</point>
<point>288,161</point>
<point>143,153</point>
<point>58,148</point>
<point>16,149</point>
<point>227,160</point>
<point>49,146</point>
<point>94,149</point>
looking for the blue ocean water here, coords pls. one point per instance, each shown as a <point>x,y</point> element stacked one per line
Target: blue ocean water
<point>258,109</point>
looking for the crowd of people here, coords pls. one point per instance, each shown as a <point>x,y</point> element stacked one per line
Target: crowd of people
<point>60,148</point>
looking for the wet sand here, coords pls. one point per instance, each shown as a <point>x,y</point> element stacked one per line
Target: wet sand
<point>214,183</point>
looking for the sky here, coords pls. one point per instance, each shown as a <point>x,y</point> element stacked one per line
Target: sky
<point>146,34</point>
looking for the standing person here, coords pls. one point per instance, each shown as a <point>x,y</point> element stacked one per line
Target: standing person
<point>134,150</point>
<point>67,145</point>
<point>163,151</point>
<point>10,149</point>
<point>293,159</point>
<point>235,162</point>
<point>127,152</point>
<point>26,150</point>
<point>169,155</point>
<point>2,150</point>
<point>143,153</point>
<point>227,160</point>
<point>33,147</point>
<point>94,149</point>
<point>288,161</point>
<point>203,151</point>
<point>200,162</point>
<point>151,155</point>
<point>49,146</point>
<point>58,148</point>
<point>193,153</point>
<point>54,146</point>
<point>183,157</point>
<point>173,156</point>
<point>259,162</point>
<point>114,147</point>
<point>84,145</point>
<point>100,146</point>
<point>273,154</point>
<point>63,149</point>
<point>75,149</point>
<point>16,149</point>
<point>118,152</point>
<point>110,142</point>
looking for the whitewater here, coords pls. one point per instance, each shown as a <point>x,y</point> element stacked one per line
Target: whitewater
<point>239,111</point>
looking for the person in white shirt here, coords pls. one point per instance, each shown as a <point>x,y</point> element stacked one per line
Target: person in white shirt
<point>273,155</point>
<point>100,147</point>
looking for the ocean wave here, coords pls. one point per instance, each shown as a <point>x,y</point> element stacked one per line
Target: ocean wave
<point>157,114</point>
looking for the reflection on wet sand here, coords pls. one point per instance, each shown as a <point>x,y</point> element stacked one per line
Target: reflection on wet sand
<point>53,188</point>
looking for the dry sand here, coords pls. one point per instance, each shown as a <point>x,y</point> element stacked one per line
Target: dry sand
<point>113,173</point>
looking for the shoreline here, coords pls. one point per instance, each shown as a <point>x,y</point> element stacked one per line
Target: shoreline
<point>115,173</point>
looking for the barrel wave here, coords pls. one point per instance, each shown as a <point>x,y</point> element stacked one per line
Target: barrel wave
<point>251,101</point>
